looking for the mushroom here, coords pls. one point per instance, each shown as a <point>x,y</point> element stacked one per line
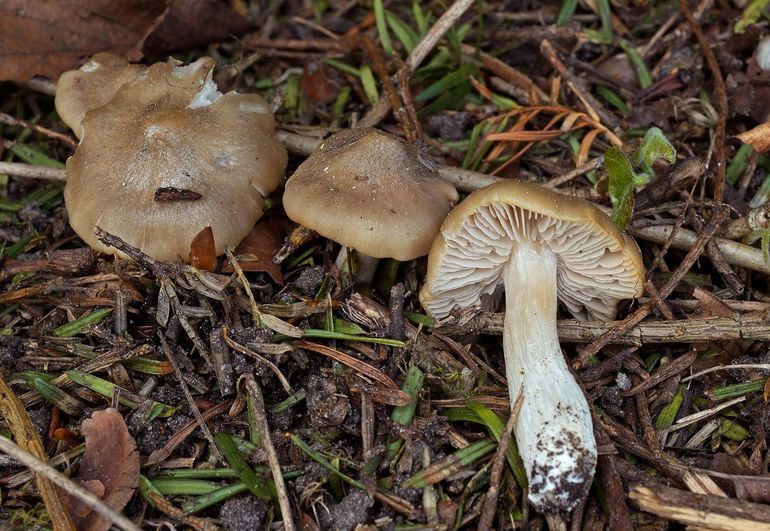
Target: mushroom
<point>538,245</point>
<point>170,155</point>
<point>91,86</point>
<point>370,191</point>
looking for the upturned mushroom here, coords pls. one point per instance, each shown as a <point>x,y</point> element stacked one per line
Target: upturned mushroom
<point>370,190</point>
<point>169,155</point>
<point>539,246</point>
<point>91,86</point>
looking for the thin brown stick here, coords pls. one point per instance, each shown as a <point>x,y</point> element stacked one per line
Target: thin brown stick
<point>436,32</point>
<point>720,101</point>
<point>161,454</point>
<point>31,171</point>
<point>732,281</point>
<point>635,318</point>
<point>64,139</point>
<point>377,113</point>
<point>577,172</point>
<point>593,107</point>
<point>257,411</point>
<point>620,516</point>
<point>190,401</point>
<point>42,469</point>
<point>377,61</point>
<point>254,40</point>
<point>498,462</point>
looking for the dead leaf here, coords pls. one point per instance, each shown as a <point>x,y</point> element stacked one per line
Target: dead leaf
<point>255,252</point>
<point>47,38</point>
<point>203,254</point>
<point>110,465</point>
<point>758,138</point>
<point>319,82</point>
<point>192,23</point>
<point>710,305</point>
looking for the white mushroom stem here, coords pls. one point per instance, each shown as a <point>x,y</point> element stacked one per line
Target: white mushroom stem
<point>554,429</point>
<point>364,267</point>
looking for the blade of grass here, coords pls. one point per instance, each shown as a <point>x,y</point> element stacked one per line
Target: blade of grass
<point>382,27</point>
<point>127,398</point>
<point>52,394</point>
<point>451,464</point>
<point>79,325</point>
<point>236,461</point>
<point>403,414</point>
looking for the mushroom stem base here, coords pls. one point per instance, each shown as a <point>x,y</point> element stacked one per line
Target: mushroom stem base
<point>363,267</point>
<point>554,431</point>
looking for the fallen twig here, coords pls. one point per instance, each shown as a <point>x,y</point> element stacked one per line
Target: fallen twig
<point>753,326</point>
<point>257,412</point>
<point>701,511</point>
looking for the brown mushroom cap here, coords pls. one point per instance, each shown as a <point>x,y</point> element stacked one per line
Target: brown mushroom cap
<point>598,265</point>
<point>91,86</point>
<point>368,190</point>
<point>170,155</point>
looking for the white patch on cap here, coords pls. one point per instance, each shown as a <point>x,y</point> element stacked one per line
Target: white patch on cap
<point>252,106</point>
<point>90,66</point>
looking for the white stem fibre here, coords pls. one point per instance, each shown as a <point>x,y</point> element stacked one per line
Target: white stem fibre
<point>554,430</point>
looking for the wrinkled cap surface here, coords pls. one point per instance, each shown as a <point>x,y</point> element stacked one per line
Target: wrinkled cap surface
<point>91,86</point>
<point>170,155</point>
<point>369,190</point>
<point>598,265</point>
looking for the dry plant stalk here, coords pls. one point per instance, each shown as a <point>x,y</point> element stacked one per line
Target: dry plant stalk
<point>702,511</point>
<point>15,415</point>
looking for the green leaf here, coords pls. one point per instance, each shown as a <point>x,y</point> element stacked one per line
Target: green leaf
<point>382,27</point>
<point>451,464</point>
<point>621,178</point>
<point>642,72</point>
<point>403,414</point>
<point>369,84</point>
<point>566,11</point>
<point>79,325</point>
<point>127,398</point>
<point>668,414</point>
<point>738,164</point>
<point>751,15</point>
<point>654,146</point>
<point>404,33</point>
<point>236,461</point>
<point>68,404</point>
<point>496,426</point>
<point>732,430</point>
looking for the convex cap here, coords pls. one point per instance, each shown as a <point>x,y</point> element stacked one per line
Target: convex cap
<point>91,86</point>
<point>169,155</point>
<point>369,190</point>
<point>598,265</point>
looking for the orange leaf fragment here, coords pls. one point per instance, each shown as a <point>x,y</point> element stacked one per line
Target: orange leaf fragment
<point>758,138</point>
<point>109,468</point>
<point>203,254</point>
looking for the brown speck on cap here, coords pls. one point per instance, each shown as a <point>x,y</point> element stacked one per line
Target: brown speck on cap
<point>367,189</point>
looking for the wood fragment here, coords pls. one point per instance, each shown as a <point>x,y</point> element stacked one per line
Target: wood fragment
<point>753,326</point>
<point>257,412</point>
<point>705,512</point>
